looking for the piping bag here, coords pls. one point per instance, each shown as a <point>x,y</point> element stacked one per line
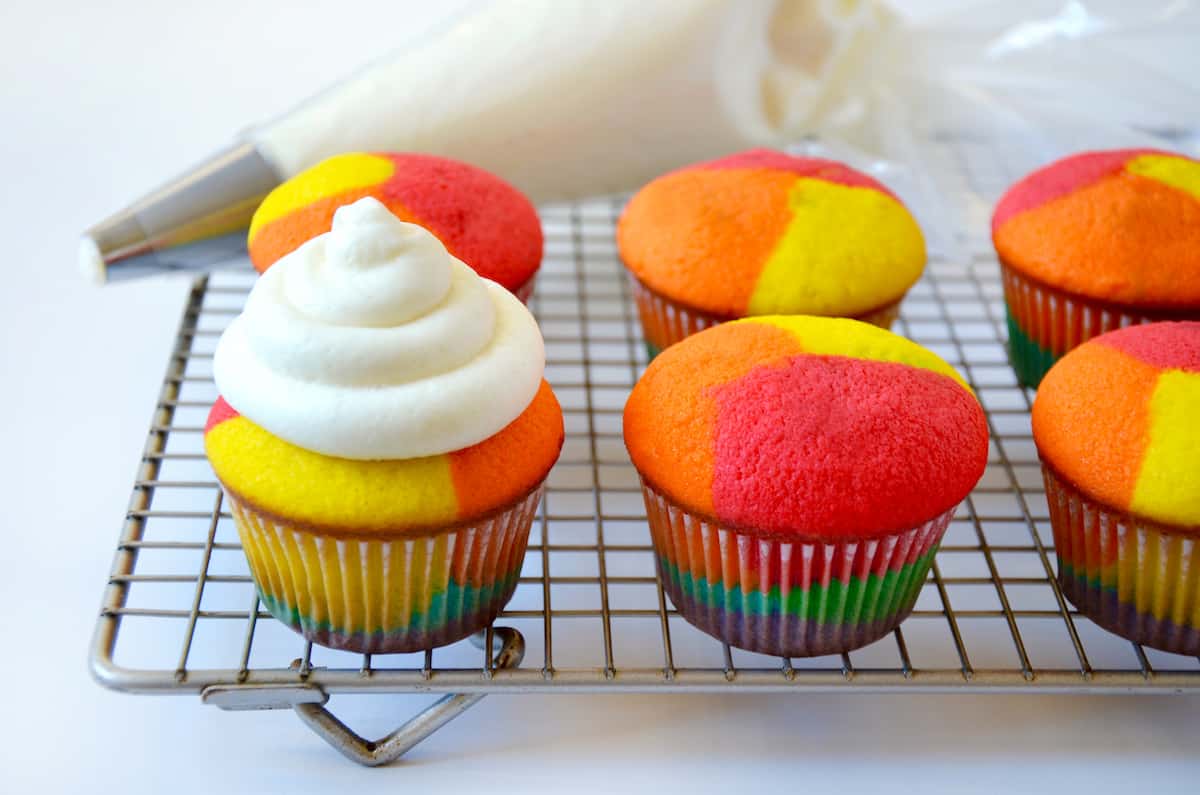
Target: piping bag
<point>567,100</point>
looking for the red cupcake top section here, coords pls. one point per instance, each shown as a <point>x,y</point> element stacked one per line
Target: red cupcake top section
<point>812,427</point>
<point>480,218</point>
<point>1167,346</point>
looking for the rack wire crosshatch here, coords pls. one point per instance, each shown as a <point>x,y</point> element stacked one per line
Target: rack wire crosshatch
<point>180,614</point>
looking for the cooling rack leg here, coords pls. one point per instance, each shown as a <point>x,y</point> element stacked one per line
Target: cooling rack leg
<point>509,649</point>
<point>390,748</point>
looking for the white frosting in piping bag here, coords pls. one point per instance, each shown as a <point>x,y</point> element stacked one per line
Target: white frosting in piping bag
<point>567,99</point>
<point>373,342</point>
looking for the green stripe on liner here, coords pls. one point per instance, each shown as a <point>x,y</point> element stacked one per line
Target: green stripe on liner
<point>1069,571</point>
<point>856,601</point>
<point>651,351</point>
<point>465,601</point>
<point>1030,360</point>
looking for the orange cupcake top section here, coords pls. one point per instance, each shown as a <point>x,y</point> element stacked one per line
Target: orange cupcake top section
<point>763,232</point>
<point>480,218</point>
<point>810,426</point>
<point>1119,416</point>
<point>1121,226</point>
<point>353,497</point>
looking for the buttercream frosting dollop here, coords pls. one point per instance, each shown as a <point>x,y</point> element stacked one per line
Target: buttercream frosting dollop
<point>373,342</point>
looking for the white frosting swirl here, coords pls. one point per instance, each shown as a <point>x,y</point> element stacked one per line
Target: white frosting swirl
<point>373,342</point>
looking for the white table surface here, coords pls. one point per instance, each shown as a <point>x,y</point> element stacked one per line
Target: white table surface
<point>97,106</point>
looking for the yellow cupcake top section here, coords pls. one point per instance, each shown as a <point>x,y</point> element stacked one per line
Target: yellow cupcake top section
<point>342,496</point>
<point>1169,482</point>
<point>335,176</point>
<point>845,251</point>
<point>765,233</point>
<point>312,489</point>
<point>1179,172</point>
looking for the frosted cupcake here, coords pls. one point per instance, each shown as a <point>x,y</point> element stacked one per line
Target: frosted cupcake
<point>382,436</point>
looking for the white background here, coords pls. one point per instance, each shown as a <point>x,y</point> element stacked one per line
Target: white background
<point>98,104</point>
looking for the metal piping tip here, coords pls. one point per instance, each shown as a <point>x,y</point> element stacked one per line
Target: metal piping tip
<point>91,261</point>
<point>195,222</point>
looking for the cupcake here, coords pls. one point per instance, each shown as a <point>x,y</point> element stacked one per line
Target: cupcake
<point>764,233</point>
<point>1095,242</point>
<point>382,436</point>
<point>799,473</point>
<point>1117,427</point>
<point>480,218</point>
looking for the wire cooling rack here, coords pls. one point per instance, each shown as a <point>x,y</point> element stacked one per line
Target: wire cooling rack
<point>180,613</point>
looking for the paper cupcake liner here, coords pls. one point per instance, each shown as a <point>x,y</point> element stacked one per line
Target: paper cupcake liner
<point>666,322</point>
<point>1044,323</point>
<point>1136,578</point>
<point>788,597</point>
<point>400,593</point>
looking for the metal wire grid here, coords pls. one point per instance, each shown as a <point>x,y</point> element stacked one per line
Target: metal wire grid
<point>180,612</point>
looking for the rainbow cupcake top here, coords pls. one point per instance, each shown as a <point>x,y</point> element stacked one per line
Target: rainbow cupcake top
<point>343,496</point>
<point>763,232</point>
<point>816,427</point>
<point>480,218</point>
<point>1119,417</point>
<point>1122,226</point>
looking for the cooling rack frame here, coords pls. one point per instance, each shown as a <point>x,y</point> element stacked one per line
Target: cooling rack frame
<point>595,353</point>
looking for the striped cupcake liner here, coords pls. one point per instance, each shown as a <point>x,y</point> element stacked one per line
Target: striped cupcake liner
<point>788,597</point>
<point>666,322</point>
<point>1136,578</point>
<point>403,593</point>
<point>1044,323</point>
